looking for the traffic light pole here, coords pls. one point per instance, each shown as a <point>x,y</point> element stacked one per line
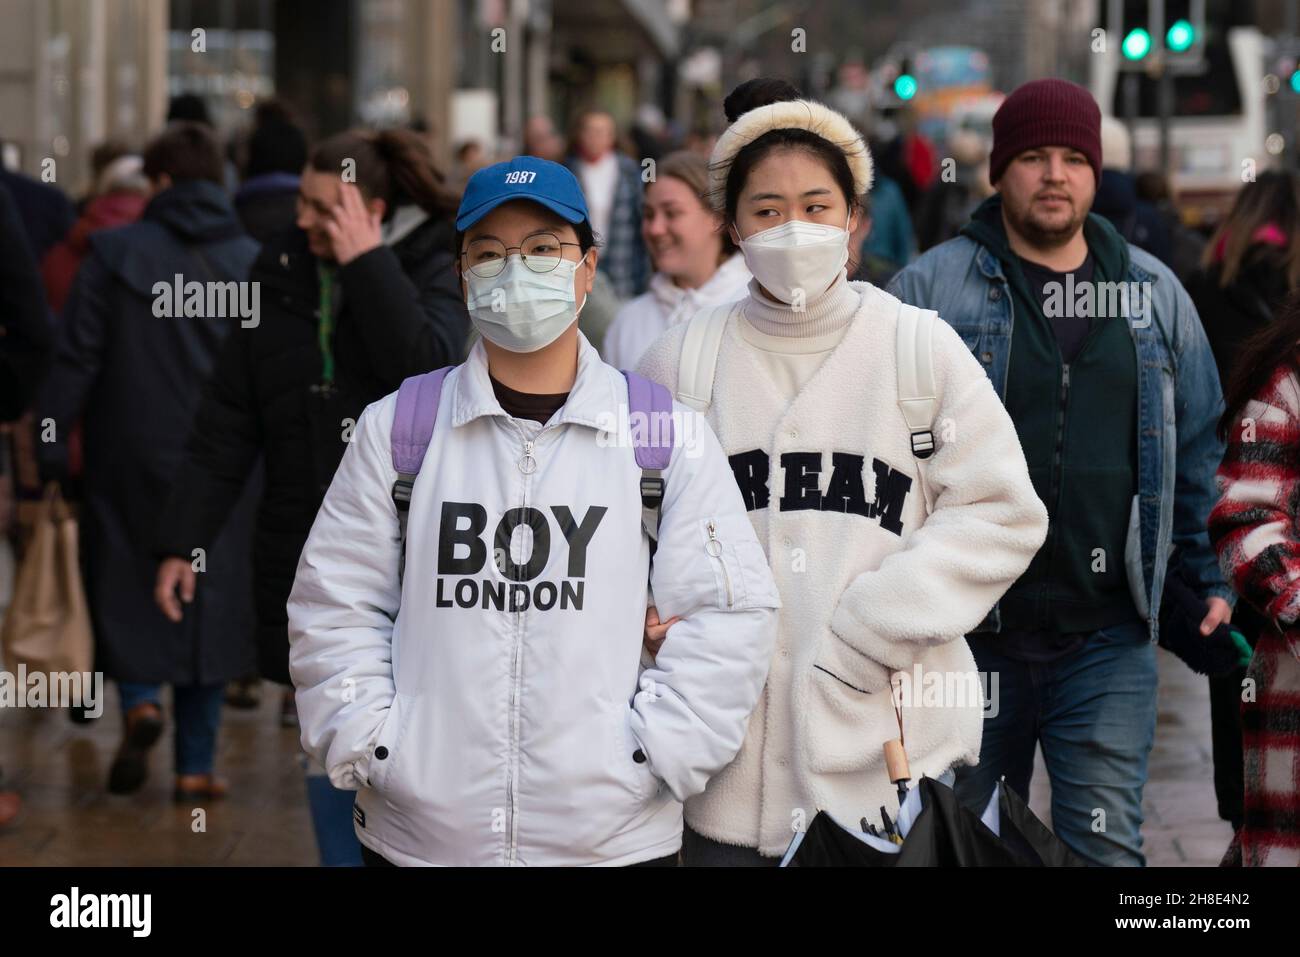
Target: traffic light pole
<point>1165,83</point>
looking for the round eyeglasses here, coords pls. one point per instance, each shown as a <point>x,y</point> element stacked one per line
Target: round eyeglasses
<point>541,252</point>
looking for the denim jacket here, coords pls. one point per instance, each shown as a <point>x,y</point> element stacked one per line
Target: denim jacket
<point>1179,403</point>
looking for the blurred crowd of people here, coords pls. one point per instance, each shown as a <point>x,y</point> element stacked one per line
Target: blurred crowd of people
<point>200,453</point>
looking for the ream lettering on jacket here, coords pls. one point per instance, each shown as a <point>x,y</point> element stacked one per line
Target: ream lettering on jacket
<point>463,553</point>
<point>845,491</point>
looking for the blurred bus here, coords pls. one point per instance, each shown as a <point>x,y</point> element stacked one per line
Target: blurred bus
<point>1218,121</point>
<point>946,76</point>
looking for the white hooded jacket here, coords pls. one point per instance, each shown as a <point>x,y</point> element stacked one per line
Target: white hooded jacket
<point>487,706</point>
<point>644,319</point>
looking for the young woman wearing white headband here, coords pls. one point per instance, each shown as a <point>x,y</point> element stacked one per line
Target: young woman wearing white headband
<point>893,501</point>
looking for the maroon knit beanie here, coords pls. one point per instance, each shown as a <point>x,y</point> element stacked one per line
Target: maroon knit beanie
<point>1046,113</point>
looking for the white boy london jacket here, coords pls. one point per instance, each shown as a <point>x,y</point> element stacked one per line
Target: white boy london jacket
<point>487,707</point>
<point>873,589</point>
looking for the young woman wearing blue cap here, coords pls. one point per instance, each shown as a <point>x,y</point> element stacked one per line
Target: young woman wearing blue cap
<point>466,621</point>
<point>881,473</point>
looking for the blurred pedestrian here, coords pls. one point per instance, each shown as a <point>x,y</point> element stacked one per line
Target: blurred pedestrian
<point>132,365</point>
<point>1254,527</point>
<point>612,184</point>
<point>1186,245</point>
<point>892,237</point>
<point>25,345</point>
<point>1117,198</point>
<point>470,158</point>
<point>26,336</point>
<point>361,295</point>
<point>1032,285</point>
<point>696,263</point>
<point>866,266</point>
<point>801,369</point>
<point>120,194</point>
<point>102,155</point>
<point>117,198</point>
<point>947,205</point>
<point>1250,268</point>
<point>267,200</point>
<point>1250,265</point>
<point>45,213</point>
<point>541,139</point>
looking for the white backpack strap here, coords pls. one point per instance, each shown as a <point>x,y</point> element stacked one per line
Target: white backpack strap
<point>917,396</point>
<point>699,358</point>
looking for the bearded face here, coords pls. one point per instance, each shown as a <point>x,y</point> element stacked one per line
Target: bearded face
<point>1046,194</point>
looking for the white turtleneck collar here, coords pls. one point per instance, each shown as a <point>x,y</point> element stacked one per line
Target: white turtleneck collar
<point>832,311</point>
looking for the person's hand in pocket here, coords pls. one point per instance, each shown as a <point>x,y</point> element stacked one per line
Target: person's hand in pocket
<point>655,630</point>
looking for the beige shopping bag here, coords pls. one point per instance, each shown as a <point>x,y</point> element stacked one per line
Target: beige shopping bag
<point>47,627</point>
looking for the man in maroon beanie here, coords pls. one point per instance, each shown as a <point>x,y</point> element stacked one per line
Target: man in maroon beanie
<point>1099,356</point>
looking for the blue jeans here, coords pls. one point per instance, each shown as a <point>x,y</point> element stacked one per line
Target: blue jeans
<point>1094,714</point>
<point>198,715</point>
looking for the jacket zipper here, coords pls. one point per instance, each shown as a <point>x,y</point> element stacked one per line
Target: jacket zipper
<point>527,465</point>
<point>714,549</point>
<point>1058,458</point>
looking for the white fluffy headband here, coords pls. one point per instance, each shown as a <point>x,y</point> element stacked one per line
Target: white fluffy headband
<point>788,115</point>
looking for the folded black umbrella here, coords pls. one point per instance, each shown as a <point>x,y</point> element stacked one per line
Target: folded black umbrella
<point>944,834</point>
<point>1028,837</point>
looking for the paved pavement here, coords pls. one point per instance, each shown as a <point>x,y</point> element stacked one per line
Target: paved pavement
<point>69,818</point>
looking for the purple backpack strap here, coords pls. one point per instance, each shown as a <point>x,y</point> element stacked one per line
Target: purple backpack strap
<point>650,408</point>
<point>417,412</point>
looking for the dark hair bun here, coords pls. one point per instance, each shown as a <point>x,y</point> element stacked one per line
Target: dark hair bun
<point>760,91</point>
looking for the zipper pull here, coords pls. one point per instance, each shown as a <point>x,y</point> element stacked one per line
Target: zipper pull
<point>714,547</point>
<point>527,462</point>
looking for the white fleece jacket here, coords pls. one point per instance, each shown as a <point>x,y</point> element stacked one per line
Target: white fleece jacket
<point>871,588</point>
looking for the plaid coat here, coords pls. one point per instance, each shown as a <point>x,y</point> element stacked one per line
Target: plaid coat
<point>1255,529</point>
<point>623,256</point>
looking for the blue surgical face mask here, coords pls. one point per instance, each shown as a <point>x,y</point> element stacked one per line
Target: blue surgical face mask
<point>521,310</point>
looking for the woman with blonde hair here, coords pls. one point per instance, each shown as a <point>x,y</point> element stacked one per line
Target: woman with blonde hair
<point>696,262</point>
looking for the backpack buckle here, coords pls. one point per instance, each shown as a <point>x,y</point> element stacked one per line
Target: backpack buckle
<point>652,491</point>
<point>402,492</point>
<point>923,444</point>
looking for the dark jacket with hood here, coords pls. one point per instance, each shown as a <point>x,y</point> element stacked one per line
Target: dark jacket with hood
<point>397,311</point>
<point>268,204</point>
<point>133,369</point>
<point>1078,427</point>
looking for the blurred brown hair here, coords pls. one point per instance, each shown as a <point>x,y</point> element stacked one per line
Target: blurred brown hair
<point>693,170</point>
<point>1273,198</point>
<point>393,165</point>
<point>184,151</point>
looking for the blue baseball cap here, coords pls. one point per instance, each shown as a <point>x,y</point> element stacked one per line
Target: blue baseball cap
<point>524,177</point>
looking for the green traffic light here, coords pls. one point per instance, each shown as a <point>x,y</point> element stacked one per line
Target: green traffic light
<point>905,86</point>
<point>1137,44</point>
<point>1295,81</point>
<point>1180,36</point>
